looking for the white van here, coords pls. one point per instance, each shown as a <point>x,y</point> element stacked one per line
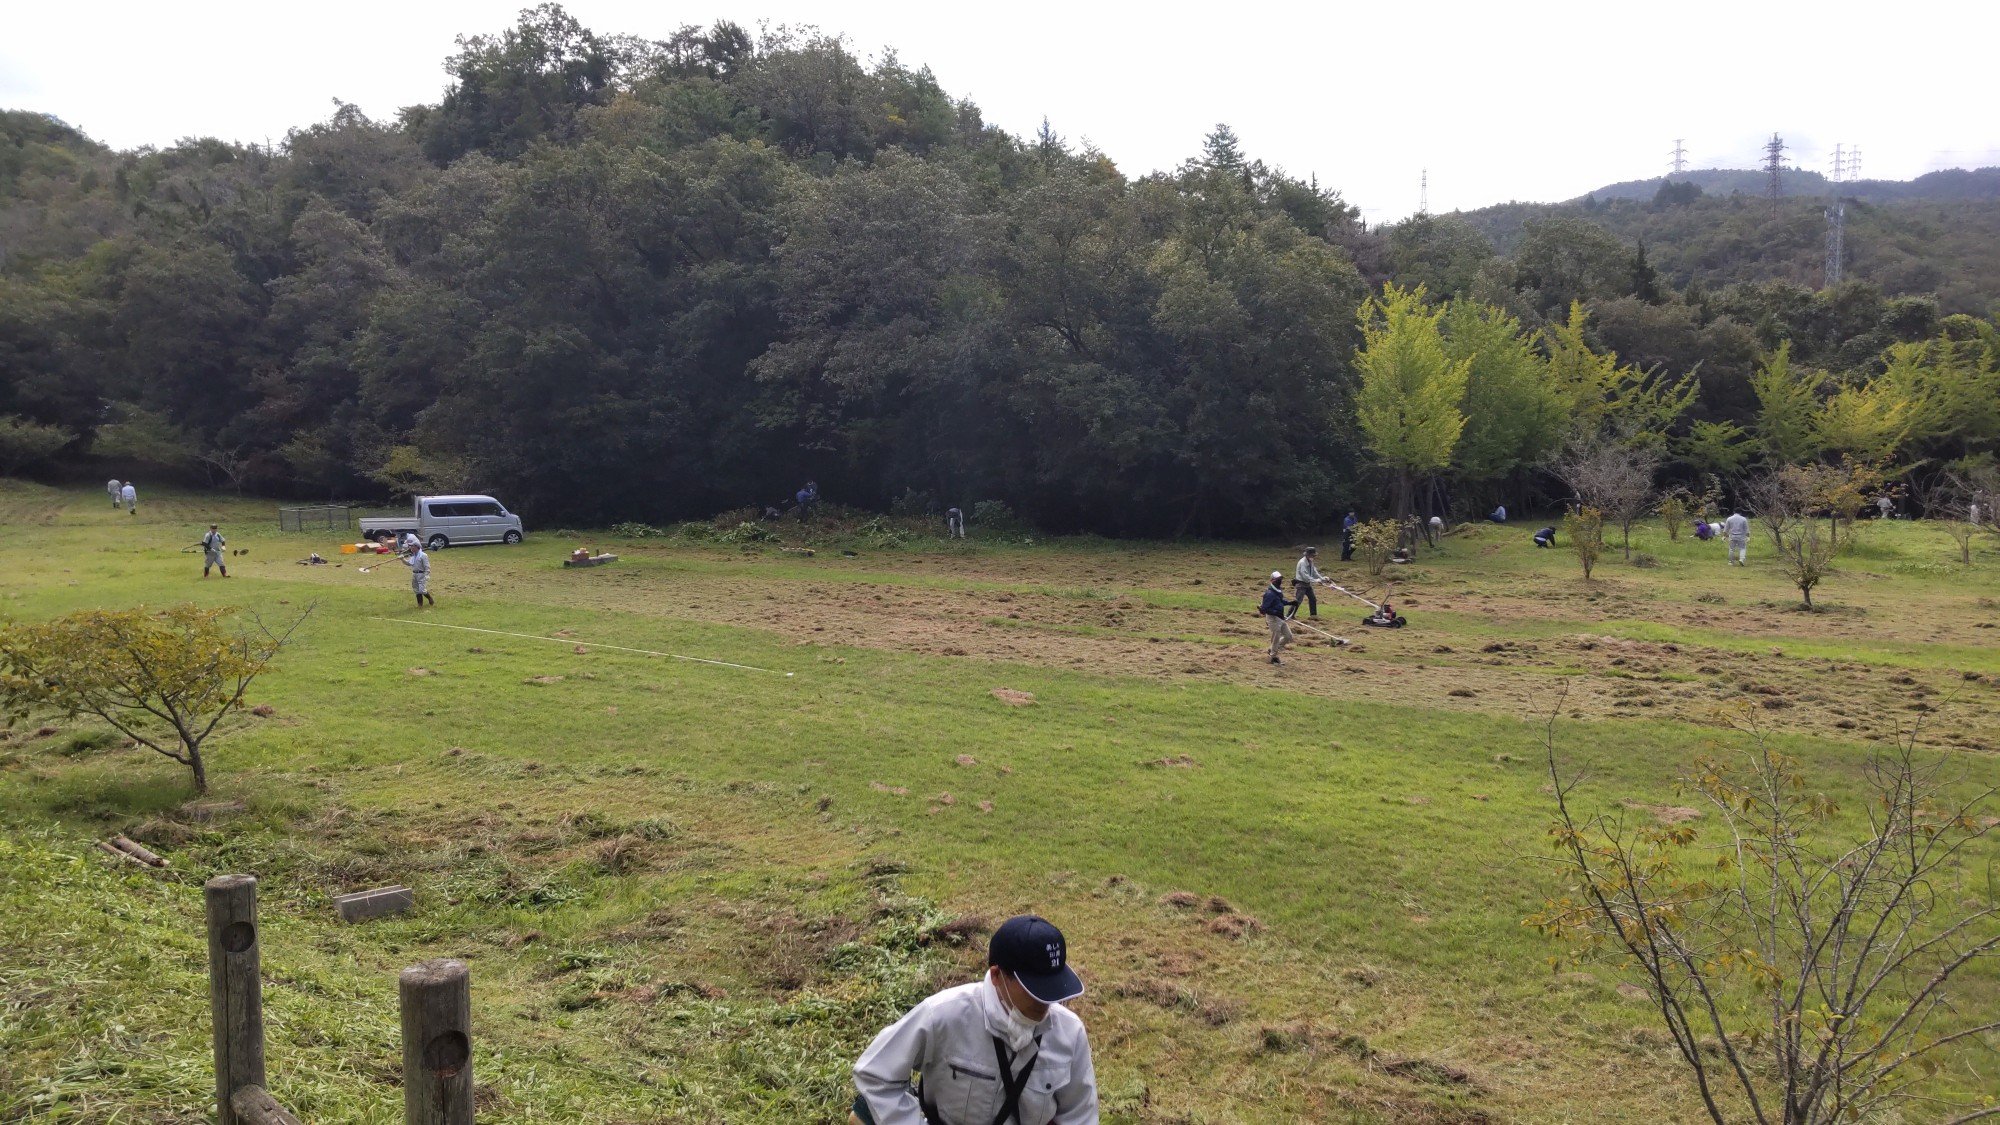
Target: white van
<point>450,521</point>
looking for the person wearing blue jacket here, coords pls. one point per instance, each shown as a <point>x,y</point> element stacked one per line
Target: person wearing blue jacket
<point>1273,608</point>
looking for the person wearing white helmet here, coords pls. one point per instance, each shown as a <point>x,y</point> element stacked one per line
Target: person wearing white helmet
<point>1273,608</point>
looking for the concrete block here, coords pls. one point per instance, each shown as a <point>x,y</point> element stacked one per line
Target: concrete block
<point>363,905</point>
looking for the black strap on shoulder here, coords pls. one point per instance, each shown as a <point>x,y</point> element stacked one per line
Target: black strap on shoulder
<point>1013,1084</point>
<point>924,1103</point>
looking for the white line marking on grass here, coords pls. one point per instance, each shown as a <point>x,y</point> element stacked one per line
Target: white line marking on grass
<point>586,644</point>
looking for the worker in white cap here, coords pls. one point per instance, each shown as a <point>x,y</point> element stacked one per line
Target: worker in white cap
<point>1273,608</point>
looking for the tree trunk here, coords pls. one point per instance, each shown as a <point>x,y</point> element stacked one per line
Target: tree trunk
<point>200,770</point>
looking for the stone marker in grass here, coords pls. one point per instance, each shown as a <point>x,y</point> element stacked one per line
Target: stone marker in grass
<point>363,905</point>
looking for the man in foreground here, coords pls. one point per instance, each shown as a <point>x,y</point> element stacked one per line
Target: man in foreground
<point>419,562</point>
<point>211,551</point>
<point>1000,1050</point>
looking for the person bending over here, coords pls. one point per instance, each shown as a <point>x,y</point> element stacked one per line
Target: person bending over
<point>999,1051</point>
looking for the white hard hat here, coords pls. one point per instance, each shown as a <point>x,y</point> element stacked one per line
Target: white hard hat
<point>1277,574</point>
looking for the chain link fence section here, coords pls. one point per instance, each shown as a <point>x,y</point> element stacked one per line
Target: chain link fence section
<point>320,517</point>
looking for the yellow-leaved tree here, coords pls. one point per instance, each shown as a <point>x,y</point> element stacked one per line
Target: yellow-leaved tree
<point>1407,403</point>
<point>163,678</point>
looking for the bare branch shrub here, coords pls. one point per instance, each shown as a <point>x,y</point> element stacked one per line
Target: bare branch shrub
<point>1811,964</point>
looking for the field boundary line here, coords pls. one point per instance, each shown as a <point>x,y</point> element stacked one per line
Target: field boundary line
<point>585,644</point>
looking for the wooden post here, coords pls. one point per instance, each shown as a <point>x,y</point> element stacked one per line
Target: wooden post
<point>255,1106</point>
<point>235,992</point>
<point>437,1043</point>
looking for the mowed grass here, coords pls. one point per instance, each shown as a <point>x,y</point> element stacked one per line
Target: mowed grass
<point>691,892</point>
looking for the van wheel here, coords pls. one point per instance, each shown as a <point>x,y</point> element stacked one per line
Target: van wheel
<point>436,543</point>
<point>511,538</point>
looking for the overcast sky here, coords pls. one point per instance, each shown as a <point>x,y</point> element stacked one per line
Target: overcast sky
<point>1527,100</point>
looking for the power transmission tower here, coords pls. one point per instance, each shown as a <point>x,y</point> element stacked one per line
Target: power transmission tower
<point>1774,166</point>
<point>1846,166</point>
<point>1424,193</point>
<point>1680,156</point>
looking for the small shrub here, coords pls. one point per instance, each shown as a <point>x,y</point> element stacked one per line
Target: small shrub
<point>995,515</point>
<point>1644,561</point>
<point>633,530</point>
<point>913,504</point>
<point>1585,532</point>
<point>1806,556</point>
<point>1375,543</point>
<point>1673,513</point>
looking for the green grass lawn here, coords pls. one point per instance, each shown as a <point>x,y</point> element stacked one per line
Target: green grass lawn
<point>691,893</point>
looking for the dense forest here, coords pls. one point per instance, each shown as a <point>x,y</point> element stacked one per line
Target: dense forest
<point>615,278</point>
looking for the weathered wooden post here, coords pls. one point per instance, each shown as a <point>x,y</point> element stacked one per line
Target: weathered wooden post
<point>437,1043</point>
<point>235,990</point>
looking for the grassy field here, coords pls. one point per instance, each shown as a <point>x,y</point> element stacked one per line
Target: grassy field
<point>690,893</point>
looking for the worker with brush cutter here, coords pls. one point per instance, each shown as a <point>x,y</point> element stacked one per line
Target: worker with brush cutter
<point>211,551</point>
<point>1305,576</point>
<point>419,562</point>
<point>1002,1050</point>
<point>1273,608</point>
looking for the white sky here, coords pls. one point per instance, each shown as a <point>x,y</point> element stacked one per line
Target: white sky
<point>1537,99</point>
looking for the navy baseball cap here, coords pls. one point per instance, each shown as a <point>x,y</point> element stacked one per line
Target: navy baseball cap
<point>1032,949</point>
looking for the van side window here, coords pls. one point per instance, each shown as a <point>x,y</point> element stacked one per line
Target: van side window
<point>441,510</point>
<point>485,508</point>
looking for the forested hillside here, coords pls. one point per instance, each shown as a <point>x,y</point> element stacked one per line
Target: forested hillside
<point>1947,245</point>
<point>625,279</point>
<point>1942,186</point>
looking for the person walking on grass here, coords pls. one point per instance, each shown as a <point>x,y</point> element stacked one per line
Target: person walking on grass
<point>130,496</point>
<point>211,551</point>
<point>1273,608</point>
<point>954,524</point>
<point>111,487</point>
<point>1737,529</point>
<point>419,563</point>
<point>1002,1050</point>
<point>1305,577</point>
<point>1347,537</point>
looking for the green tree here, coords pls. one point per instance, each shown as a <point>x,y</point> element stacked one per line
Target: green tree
<point>1410,389</point>
<point>1563,261</point>
<point>512,89</point>
<point>1442,254</point>
<point>24,444</point>
<point>1787,407</point>
<point>1602,394</point>
<point>1513,417</point>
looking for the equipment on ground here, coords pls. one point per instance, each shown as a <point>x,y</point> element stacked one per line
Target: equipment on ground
<point>1320,631</point>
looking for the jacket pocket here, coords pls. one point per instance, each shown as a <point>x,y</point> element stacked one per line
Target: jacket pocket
<point>1038,1099</point>
<point>971,1091</point>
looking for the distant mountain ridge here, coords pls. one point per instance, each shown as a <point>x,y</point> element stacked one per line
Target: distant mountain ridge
<point>1945,185</point>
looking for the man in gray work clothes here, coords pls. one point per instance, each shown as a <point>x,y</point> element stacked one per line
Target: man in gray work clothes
<point>1002,1049</point>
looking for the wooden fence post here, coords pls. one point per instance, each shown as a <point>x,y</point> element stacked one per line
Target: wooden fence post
<point>437,1043</point>
<point>235,990</point>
